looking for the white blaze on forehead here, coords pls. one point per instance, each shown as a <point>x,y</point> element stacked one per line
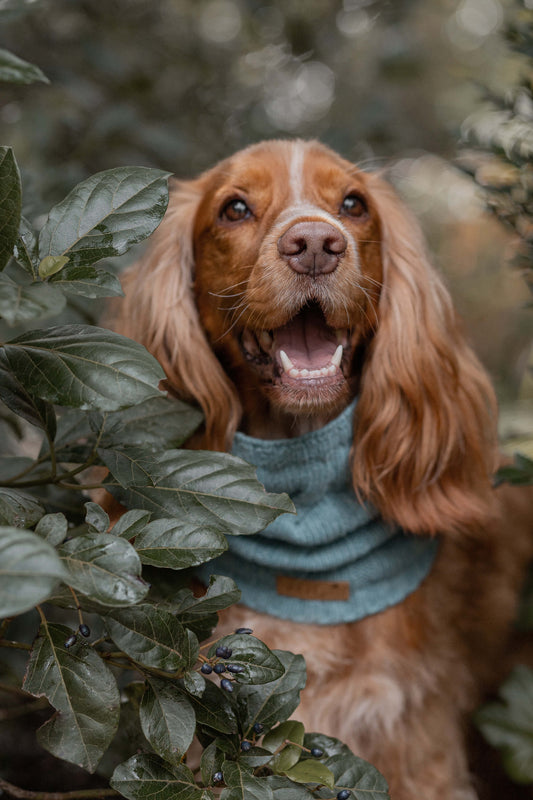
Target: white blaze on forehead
<point>296,173</point>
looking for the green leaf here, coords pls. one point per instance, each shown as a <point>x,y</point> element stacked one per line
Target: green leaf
<point>29,570</point>
<point>50,265</point>
<point>210,762</point>
<point>131,523</point>
<point>83,691</point>
<point>96,518</point>
<point>21,402</point>
<point>25,250</point>
<point>105,568</point>
<point>354,773</point>
<point>214,710</point>
<point>221,593</point>
<point>194,683</point>
<point>19,509</point>
<point>23,302</point>
<point>273,702</point>
<point>259,664</point>
<point>242,785</point>
<point>14,70</point>
<point>213,489</point>
<point>285,789</point>
<point>289,755</point>
<point>147,777</point>
<point>174,545</point>
<point>53,528</point>
<point>87,281</point>
<point>105,215</point>
<point>10,199</point>
<point>509,725</point>
<point>157,424</point>
<point>167,719</point>
<point>310,771</point>
<point>84,366</point>
<point>153,637</point>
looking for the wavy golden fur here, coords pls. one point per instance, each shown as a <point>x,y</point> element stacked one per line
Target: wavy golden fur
<point>285,242</point>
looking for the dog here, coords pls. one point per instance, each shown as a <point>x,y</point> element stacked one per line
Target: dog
<point>287,289</point>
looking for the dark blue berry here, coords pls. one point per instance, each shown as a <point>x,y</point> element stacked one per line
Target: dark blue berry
<point>236,668</point>
<point>85,630</point>
<point>344,794</point>
<point>218,777</point>
<point>244,630</point>
<point>223,651</point>
<point>316,752</point>
<point>207,669</point>
<point>71,640</point>
<point>258,728</point>
<point>227,685</point>
<point>245,746</point>
<point>219,668</point>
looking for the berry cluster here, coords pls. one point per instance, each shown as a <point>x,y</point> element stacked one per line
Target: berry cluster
<point>83,629</point>
<point>219,667</point>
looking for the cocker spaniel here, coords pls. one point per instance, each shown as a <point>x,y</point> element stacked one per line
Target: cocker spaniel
<point>289,295</point>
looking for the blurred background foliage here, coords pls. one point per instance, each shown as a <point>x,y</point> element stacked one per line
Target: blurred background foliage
<point>179,84</point>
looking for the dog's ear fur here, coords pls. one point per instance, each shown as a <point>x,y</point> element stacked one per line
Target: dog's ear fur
<point>159,312</point>
<point>425,437</point>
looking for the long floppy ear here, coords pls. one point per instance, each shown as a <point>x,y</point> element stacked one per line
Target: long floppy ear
<point>159,312</point>
<point>425,439</point>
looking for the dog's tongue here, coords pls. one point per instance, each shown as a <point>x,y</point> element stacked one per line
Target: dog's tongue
<point>307,340</point>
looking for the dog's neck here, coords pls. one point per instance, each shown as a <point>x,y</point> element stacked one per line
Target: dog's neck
<point>271,423</point>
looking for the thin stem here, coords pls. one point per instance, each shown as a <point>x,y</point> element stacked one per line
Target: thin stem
<point>81,794</point>
<point>52,449</point>
<point>15,645</point>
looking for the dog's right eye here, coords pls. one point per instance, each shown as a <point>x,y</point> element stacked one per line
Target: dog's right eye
<point>236,210</point>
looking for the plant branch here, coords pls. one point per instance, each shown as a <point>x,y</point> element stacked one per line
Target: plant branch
<point>16,645</point>
<point>81,794</point>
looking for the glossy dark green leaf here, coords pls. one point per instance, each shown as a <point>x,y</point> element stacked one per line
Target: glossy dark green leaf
<point>14,70</point>
<point>96,518</point>
<point>221,593</point>
<point>29,570</point>
<point>310,771</point>
<point>273,702</point>
<point>16,397</point>
<point>241,785</point>
<point>147,777</point>
<point>508,725</point>
<point>82,689</point>
<point>289,754</point>
<point>214,710</point>
<point>214,489</point>
<point>10,199</point>
<point>210,762</point>
<point>153,637</point>
<point>83,366</point>
<point>23,302</point>
<point>19,509</point>
<point>105,568</point>
<point>53,528</point>
<point>131,523</point>
<point>158,423</point>
<point>174,545</point>
<point>87,281</point>
<point>167,719</point>
<point>25,250</point>
<point>105,215</point>
<point>356,775</point>
<point>285,789</point>
<point>259,664</point>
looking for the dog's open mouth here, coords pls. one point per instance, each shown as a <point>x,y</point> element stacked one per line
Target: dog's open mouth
<point>305,352</point>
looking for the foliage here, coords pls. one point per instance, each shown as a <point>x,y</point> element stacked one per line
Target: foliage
<point>116,643</point>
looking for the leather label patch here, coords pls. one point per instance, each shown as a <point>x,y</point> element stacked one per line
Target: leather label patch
<point>307,589</point>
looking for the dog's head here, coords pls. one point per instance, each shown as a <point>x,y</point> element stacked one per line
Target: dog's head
<point>284,281</point>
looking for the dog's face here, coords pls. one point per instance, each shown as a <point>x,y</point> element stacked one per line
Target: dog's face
<point>288,272</point>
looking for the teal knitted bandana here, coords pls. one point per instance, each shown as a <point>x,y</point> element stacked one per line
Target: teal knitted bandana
<point>334,561</point>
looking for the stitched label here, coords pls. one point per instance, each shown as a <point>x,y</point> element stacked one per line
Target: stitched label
<point>306,589</point>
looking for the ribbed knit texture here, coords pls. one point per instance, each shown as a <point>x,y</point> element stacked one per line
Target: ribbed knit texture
<point>333,537</point>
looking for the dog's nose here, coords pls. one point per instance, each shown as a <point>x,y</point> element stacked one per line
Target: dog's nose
<point>312,248</point>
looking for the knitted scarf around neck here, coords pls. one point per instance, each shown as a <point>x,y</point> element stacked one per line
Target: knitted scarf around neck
<point>334,561</point>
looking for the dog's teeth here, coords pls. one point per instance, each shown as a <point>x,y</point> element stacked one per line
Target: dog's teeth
<point>265,340</point>
<point>337,356</point>
<point>294,373</point>
<point>285,361</point>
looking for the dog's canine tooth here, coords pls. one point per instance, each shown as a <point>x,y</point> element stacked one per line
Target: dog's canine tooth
<point>285,361</point>
<point>337,356</point>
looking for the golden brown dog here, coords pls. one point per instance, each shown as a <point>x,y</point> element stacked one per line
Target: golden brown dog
<point>281,284</point>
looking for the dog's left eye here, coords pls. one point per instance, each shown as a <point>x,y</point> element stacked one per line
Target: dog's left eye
<point>354,206</point>
<point>236,210</point>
